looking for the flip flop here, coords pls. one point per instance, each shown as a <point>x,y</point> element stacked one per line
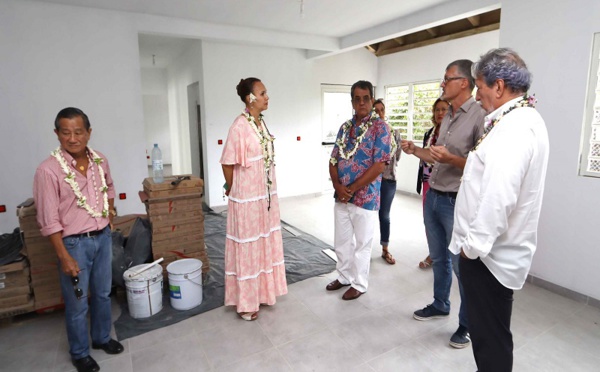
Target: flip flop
<point>249,316</point>
<point>387,256</point>
<point>425,264</point>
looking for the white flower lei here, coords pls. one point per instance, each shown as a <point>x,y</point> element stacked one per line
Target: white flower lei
<point>70,179</point>
<point>341,143</point>
<point>265,138</point>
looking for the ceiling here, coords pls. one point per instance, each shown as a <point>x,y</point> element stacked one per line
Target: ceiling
<point>346,23</point>
<point>333,18</point>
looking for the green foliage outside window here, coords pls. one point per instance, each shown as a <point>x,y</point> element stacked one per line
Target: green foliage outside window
<point>408,108</point>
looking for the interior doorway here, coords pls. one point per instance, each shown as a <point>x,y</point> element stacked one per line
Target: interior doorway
<point>196,148</point>
<point>336,109</point>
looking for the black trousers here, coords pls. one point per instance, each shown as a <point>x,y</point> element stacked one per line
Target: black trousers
<point>489,305</point>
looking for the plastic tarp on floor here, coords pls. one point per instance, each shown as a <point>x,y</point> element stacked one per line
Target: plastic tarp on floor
<point>303,259</point>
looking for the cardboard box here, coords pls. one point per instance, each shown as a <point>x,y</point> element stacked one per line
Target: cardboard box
<point>16,310</point>
<point>14,266</point>
<point>14,301</point>
<point>163,208</point>
<point>41,250</point>
<point>174,242</point>
<point>41,278</point>
<point>29,223</point>
<point>27,208</point>
<point>14,278</point>
<point>190,227</point>
<point>15,291</point>
<point>193,183</point>
<point>47,292</point>
<point>179,252</point>
<point>177,219</point>
<point>50,303</point>
<point>168,245</point>
<point>177,215</point>
<point>43,262</point>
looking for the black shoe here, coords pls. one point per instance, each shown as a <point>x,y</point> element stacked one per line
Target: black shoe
<point>86,364</point>
<point>429,312</point>
<point>461,338</point>
<point>111,347</point>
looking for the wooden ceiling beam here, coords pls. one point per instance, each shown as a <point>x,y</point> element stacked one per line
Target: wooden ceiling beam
<point>458,35</point>
<point>433,32</point>
<point>475,20</point>
<point>399,40</point>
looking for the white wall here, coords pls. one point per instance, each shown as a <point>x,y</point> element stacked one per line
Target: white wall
<point>423,64</point>
<point>556,43</point>
<point>156,111</point>
<point>293,85</point>
<point>185,70</point>
<point>54,56</point>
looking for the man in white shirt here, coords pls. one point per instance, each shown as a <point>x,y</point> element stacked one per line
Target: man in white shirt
<point>498,204</point>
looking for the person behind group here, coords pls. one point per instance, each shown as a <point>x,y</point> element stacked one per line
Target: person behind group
<point>362,149</point>
<point>254,265</point>
<point>459,132</point>
<point>74,197</point>
<point>440,108</point>
<point>498,205</point>
<point>388,189</point>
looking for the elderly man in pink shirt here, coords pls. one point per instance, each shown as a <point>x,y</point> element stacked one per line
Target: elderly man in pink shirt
<point>74,198</point>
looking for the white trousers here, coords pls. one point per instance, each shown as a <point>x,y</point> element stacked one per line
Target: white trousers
<point>354,229</point>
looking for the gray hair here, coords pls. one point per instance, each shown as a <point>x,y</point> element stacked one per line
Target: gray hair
<point>464,69</point>
<point>503,64</point>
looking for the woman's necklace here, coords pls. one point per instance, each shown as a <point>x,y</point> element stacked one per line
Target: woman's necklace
<point>266,143</point>
<point>70,179</point>
<point>526,101</point>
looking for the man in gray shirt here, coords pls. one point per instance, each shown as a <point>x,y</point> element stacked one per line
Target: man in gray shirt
<point>459,132</point>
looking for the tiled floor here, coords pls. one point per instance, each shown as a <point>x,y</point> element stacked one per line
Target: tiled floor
<point>313,330</point>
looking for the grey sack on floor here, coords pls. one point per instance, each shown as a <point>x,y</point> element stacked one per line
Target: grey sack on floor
<point>303,259</point>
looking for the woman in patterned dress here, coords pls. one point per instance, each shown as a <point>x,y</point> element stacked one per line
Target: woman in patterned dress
<point>254,265</point>
<point>440,108</point>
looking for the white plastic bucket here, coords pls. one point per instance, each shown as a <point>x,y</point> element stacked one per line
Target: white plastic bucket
<point>144,290</point>
<point>185,283</point>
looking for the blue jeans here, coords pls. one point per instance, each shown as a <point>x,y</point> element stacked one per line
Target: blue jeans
<point>388,191</point>
<point>439,221</point>
<point>94,257</point>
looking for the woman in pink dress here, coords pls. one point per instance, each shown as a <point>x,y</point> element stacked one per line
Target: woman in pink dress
<point>254,267</point>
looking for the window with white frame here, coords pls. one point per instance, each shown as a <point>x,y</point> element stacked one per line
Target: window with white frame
<point>408,107</point>
<point>590,159</point>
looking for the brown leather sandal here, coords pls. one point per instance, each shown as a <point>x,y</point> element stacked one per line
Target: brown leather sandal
<point>387,256</point>
<point>426,263</point>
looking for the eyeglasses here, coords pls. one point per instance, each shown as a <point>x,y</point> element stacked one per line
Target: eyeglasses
<point>78,291</point>
<point>358,100</point>
<point>440,110</point>
<point>446,79</point>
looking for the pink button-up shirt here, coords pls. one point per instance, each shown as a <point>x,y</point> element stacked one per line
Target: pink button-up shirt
<point>56,203</point>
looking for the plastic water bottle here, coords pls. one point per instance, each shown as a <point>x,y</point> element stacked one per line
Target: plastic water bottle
<point>157,165</point>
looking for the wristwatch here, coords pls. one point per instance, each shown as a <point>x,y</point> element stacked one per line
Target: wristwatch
<point>113,212</point>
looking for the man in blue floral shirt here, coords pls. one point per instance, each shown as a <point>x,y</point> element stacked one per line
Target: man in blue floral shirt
<point>361,152</point>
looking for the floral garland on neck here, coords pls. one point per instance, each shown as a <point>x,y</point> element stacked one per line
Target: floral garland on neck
<point>266,143</point>
<point>70,179</point>
<point>526,101</point>
<point>342,142</point>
